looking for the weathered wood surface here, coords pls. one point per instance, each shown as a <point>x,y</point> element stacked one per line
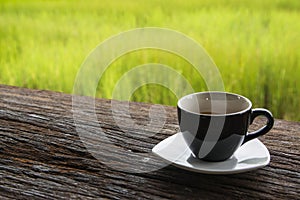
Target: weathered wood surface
<point>42,156</point>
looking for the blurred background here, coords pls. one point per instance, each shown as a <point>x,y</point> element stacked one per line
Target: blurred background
<point>254,43</point>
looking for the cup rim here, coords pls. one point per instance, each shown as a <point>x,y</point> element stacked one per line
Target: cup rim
<point>215,92</point>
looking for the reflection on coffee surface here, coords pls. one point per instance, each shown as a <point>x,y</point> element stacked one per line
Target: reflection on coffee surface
<point>212,113</point>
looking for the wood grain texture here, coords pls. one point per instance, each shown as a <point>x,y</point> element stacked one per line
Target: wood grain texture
<point>42,156</point>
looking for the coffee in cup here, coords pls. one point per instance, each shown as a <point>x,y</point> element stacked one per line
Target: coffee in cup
<point>215,124</point>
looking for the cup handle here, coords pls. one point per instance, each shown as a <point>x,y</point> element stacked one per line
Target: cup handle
<point>255,113</point>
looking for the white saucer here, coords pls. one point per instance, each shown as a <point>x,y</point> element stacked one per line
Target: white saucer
<point>252,155</point>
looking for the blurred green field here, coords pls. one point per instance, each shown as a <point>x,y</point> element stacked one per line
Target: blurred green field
<point>255,44</point>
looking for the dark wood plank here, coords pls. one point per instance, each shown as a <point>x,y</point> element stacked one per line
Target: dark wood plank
<point>42,156</point>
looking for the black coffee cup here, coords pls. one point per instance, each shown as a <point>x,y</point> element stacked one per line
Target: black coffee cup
<point>215,124</point>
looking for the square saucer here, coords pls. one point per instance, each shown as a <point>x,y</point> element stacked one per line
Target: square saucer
<point>250,156</point>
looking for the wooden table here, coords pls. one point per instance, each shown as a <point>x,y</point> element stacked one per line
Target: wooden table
<point>42,156</point>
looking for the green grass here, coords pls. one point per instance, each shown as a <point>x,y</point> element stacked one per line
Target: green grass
<point>254,43</point>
